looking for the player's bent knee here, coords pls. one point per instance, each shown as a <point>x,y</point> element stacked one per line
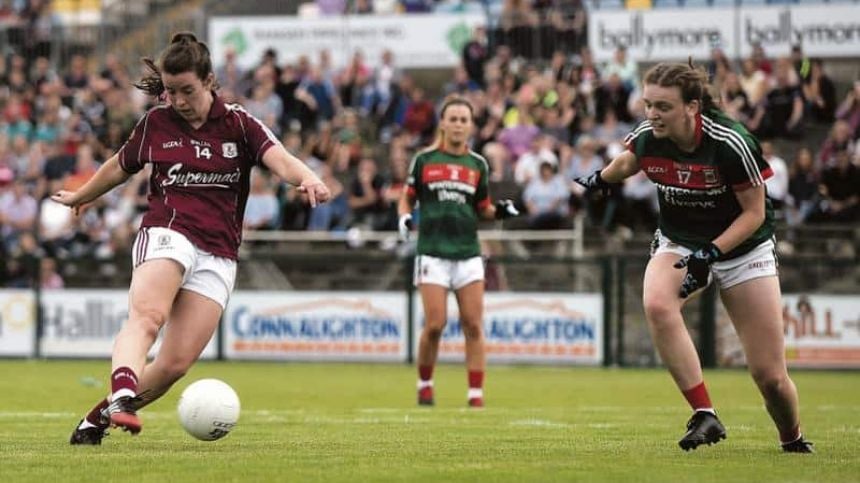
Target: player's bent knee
<point>149,321</point>
<point>771,384</point>
<point>659,311</point>
<point>472,330</point>
<point>432,332</point>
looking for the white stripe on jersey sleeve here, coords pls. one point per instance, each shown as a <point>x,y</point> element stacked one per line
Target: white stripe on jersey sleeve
<point>739,145</point>
<point>269,134</point>
<point>641,128</point>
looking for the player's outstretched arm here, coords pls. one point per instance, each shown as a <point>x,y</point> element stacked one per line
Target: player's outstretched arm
<point>109,175</point>
<point>622,167</point>
<point>292,170</point>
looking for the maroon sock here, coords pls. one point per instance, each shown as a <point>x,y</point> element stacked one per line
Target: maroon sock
<point>698,398</point>
<point>94,417</point>
<point>789,435</point>
<point>476,379</point>
<point>123,378</point>
<point>425,373</point>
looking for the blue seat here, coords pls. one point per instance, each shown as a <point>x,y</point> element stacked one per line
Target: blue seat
<point>667,3</point>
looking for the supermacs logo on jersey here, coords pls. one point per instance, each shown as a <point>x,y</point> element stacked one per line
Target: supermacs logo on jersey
<point>200,179</point>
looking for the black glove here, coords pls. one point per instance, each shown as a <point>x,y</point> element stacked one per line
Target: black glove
<point>506,209</point>
<point>595,183</point>
<point>404,226</point>
<point>698,269</point>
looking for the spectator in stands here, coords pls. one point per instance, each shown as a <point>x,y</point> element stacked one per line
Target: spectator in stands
<point>802,199</point>
<point>475,54</point>
<point>48,276</point>
<point>639,208</point>
<point>584,161</point>
<point>623,68</point>
<point>419,119</point>
<point>450,184</point>
<point>18,210</point>
<point>840,191</point>
<point>783,105</point>
<point>261,210</point>
<point>529,164</point>
<point>753,81</point>
<point>613,96</point>
<point>326,101</point>
<point>819,93</point>
<point>385,77</point>
<point>839,139</point>
<point>333,215</point>
<point>720,228</point>
<point>188,270</point>
<point>417,6</point>
<point>353,80</point>
<point>546,199</point>
<point>849,110</point>
<point>231,76</point>
<point>365,195</point>
<point>735,101</point>
<point>264,103</point>
<point>777,185</point>
<point>331,7</point>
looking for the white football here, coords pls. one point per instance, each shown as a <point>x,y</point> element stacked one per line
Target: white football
<point>208,409</point>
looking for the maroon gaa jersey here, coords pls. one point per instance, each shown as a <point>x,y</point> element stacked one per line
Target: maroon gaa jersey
<point>200,177</point>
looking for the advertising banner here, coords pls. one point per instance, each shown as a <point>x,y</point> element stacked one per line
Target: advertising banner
<point>822,330</point>
<point>529,328</point>
<point>667,34</point>
<point>17,323</point>
<point>316,326</point>
<point>415,40</point>
<point>83,323</point>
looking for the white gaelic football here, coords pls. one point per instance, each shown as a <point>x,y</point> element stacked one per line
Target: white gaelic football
<point>208,409</point>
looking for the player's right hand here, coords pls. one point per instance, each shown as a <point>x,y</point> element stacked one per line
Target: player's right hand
<point>404,226</point>
<point>594,182</point>
<point>67,198</point>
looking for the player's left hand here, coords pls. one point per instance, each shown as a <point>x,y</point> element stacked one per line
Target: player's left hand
<point>316,191</point>
<point>506,209</point>
<point>698,266</point>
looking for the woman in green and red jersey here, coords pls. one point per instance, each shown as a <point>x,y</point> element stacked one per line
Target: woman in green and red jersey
<point>715,221</point>
<point>449,183</point>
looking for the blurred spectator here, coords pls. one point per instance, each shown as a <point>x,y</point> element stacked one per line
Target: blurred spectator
<point>365,195</point>
<point>735,101</point>
<point>784,105</point>
<point>475,54</point>
<point>840,191</point>
<point>820,93</point>
<point>231,76</point>
<point>639,207</point>
<point>613,95</point>
<point>546,199</point>
<point>333,215</point>
<point>584,161</point>
<point>48,276</point>
<point>385,76</point>
<point>777,185</point>
<point>323,93</point>
<point>419,120</point>
<point>18,210</point>
<point>331,7</point>
<point>529,164</point>
<point>839,139</point>
<point>753,81</point>
<point>622,66</point>
<point>849,110</point>
<point>802,188</point>
<point>417,6</point>
<point>261,210</point>
<point>353,80</point>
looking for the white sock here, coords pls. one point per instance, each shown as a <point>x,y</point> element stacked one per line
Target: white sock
<point>423,384</point>
<point>122,393</point>
<point>86,424</point>
<point>475,393</point>
<point>706,410</point>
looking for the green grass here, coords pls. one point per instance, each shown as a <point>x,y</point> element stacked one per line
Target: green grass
<point>334,422</point>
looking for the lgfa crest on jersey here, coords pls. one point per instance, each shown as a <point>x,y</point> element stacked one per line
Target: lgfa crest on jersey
<point>229,150</point>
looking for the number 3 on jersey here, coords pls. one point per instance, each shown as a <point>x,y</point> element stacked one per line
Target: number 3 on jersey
<point>203,152</point>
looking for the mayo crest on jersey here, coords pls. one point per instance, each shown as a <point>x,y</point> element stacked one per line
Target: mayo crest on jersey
<point>697,190</point>
<point>200,177</point>
<point>450,190</point>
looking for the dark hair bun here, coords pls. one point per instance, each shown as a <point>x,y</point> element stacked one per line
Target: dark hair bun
<point>183,37</point>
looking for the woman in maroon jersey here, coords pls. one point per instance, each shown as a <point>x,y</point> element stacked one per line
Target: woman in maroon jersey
<point>202,151</point>
<point>715,222</point>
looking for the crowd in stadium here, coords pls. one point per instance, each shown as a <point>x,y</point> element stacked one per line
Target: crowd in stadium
<point>541,123</point>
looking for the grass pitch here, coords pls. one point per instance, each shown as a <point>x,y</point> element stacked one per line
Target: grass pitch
<point>356,423</point>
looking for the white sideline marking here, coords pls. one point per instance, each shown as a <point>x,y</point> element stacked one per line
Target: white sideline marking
<point>538,422</point>
<point>34,414</point>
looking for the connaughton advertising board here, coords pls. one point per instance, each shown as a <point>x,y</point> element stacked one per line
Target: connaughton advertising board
<point>529,328</point>
<point>332,326</point>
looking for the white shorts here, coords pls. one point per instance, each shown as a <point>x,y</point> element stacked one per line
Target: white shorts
<point>209,275</point>
<point>452,274</point>
<point>759,262</point>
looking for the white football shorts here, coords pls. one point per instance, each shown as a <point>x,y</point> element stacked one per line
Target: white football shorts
<point>209,275</point>
<point>759,262</point>
<point>451,274</point>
